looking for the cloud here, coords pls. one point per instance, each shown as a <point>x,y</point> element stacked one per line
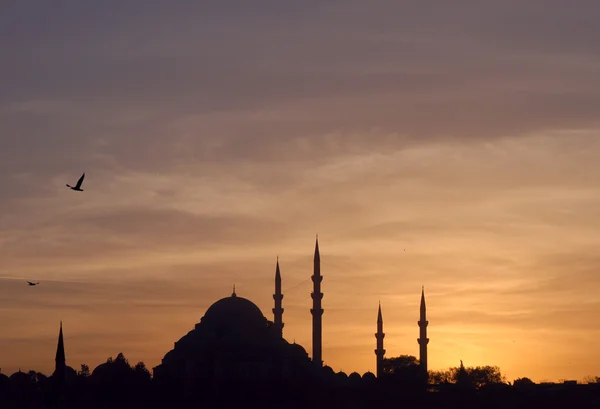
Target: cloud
<point>430,89</point>
<point>451,145</point>
<point>181,228</point>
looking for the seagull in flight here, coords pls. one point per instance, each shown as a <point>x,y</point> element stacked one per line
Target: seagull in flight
<point>77,187</point>
<point>30,283</point>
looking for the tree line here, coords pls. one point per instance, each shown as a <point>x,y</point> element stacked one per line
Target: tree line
<point>118,384</point>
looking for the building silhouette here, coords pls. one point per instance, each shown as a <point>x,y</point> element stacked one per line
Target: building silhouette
<point>317,310</point>
<point>234,341</point>
<point>423,340</point>
<point>61,360</point>
<point>278,297</point>
<point>379,352</point>
<point>236,357</point>
<point>62,372</point>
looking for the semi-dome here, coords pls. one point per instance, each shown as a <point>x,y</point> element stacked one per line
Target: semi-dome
<point>369,376</point>
<point>20,377</point>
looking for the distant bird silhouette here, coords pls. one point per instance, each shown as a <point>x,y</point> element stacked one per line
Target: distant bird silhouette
<point>30,283</point>
<point>77,187</point>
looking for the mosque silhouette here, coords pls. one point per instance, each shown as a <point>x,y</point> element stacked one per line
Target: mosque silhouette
<point>234,341</point>
<point>236,357</point>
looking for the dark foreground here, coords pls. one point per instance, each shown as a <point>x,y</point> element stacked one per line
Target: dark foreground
<point>29,393</point>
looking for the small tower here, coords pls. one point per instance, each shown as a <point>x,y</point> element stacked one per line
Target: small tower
<point>380,352</point>
<point>61,362</point>
<point>278,297</point>
<point>317,311</point>
<point>423,340</point>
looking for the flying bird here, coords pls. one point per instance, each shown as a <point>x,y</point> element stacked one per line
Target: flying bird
<point>30,283</point>
<point>77,187</point>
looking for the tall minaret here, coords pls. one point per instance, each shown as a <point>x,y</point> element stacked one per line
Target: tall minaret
<point>380,352</point>
<point>317,311</point>
<point>61,362</point>
<point>278,296</point>
<point>423,340</point>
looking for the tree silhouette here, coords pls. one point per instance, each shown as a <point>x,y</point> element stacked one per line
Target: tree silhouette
<point>400,365</point>
<point>461,376</point>
<point>404,369</point>
<point>471,377</point>
<point>591,379</point>
<point>116,384</point>
<point>85,371</point>
<point>442,377</point>
<point>523,382</point>
<point>142,372</point>
<point>482,376</point>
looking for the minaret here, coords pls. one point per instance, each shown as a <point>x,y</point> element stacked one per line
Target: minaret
<point>278,296</point>
<point>423,340</point>
<point>317,311</point>
<point>61,363</point>
<point>380,352</point>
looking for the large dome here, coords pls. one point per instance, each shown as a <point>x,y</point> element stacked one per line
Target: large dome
<point>232,340</point>
<point>234,311</point>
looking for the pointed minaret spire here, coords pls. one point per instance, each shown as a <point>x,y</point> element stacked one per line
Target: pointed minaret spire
<point>379,352</point>
<point>61,365</point>
<point>233,293</point>
<point>317,310</point>
<point>423,340</point>
<point>278,297</point>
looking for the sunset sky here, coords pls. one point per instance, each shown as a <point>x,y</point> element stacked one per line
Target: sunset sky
<point>450,144</point>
